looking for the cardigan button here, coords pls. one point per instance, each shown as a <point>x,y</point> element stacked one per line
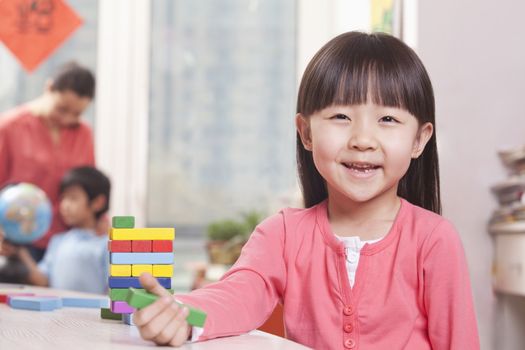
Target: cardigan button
<point>348,328</point>
<point>348,310</point>
<point>349,344</point>
<point>352,257</point>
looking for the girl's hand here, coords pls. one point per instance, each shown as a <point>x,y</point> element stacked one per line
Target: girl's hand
<point>164,321</point>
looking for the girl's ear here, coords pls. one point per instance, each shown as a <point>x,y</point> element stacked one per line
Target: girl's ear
<point>98,203</point>
<point>303,129</point>
<point>424,134</point>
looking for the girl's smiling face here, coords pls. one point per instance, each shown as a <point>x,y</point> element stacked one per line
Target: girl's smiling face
<point>362,151</point>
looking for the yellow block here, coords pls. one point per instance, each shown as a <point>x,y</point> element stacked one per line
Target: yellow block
<point>163,270</point>
<point>119,270</point>
<point>137,269</point>
<point>153,233</point>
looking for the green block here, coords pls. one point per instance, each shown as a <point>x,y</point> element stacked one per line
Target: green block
<point>106,314</point>
<point>196,317</point>
<point>139,298</point>
<point>123,222</point>
<point>119,294</point>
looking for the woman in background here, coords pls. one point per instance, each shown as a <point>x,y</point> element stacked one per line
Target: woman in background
<point>44,138</point>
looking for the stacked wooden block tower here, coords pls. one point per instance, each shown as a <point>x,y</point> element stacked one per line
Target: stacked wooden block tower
<point>133,251</point>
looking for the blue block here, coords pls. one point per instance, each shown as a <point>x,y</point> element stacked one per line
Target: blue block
<point>36,303</point>
<point>128,319</point>
<point>141,258</point>
<point>126,282</point>
<point>86,302</point>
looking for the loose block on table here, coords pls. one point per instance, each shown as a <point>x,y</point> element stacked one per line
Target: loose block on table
<point>36,303</point>
<point>137,269</point>
<point>120,270</point>
<point>119,246</point>
<point>10,296</point>
<point>141,258</point>
<point>140,299</point>
<point>125,282</point>
<point>161,246</point>
<point>142,233</point>
<point>5,297</point>
<point>106,314</point>
<point>85,302</point>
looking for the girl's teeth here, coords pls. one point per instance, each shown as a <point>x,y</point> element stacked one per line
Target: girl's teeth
<point>361,167</point>
<point>366,170</point>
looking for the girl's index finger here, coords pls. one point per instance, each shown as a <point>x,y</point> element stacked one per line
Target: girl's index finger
<point>151,284</point>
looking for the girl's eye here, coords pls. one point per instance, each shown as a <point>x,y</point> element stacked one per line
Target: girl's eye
<point>341,117</point>
<point>388,119</point>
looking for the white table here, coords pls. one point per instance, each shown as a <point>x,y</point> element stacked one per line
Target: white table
<point>82,328</point>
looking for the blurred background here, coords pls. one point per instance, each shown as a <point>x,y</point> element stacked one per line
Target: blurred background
<point>193,116</point>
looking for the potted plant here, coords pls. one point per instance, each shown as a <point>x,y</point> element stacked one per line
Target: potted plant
<point>226,237</point>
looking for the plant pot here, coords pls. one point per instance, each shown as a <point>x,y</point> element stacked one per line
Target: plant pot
<point>224,252</point>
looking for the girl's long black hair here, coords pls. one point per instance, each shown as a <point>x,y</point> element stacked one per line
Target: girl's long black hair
<point>356,66</point>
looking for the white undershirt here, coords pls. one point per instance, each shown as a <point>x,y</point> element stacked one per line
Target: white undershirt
<point>353,245</point>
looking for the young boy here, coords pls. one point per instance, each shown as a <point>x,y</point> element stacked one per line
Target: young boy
<point>76,259</point>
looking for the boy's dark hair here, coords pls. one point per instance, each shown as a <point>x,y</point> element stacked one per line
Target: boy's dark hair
<point>92,181</point>
<point>349,69</point>
<point>71,76</point>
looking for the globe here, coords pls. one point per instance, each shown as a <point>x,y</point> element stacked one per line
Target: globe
<point>25,213</point>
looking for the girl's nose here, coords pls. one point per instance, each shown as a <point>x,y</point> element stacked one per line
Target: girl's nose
<point>362,138</point>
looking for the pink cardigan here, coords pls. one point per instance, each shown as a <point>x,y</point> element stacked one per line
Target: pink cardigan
<point>412,288</point>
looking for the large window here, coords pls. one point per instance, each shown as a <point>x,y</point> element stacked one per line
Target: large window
<point>223,84</point>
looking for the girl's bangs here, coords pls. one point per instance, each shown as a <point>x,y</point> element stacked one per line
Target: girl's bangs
<point>370,82</point>
<point>359,77</point>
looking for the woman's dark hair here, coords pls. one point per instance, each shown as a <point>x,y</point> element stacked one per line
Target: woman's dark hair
<point>356,66</point>
<point>71,76</point>
<point>92,181</point>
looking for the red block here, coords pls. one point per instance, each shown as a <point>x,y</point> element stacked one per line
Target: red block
<point>140,246</point>
<point>4,297</point>
<point>119,246</point>
<point>162,246</point>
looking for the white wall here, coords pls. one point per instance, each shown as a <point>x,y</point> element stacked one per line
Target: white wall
<point>475,54</point>
<point>320,21</point>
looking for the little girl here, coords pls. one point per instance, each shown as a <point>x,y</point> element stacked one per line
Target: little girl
<point>369,264</point>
